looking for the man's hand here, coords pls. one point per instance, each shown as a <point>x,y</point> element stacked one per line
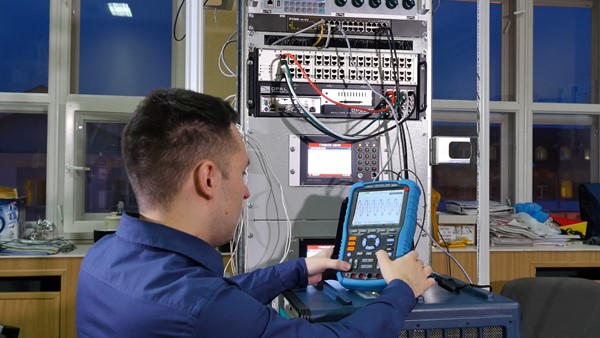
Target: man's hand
<point>408,268</point>
<point>320,262</point>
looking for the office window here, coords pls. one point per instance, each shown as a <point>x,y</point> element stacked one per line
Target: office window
<point>459,181</point>
<point>562,159</point>
<point>121,54</point>
<point>455,51</point>
<point>23,159</point>
<point>95,180</point>
<point>562,65</point>
<point>105,183</point>
<point>24,43</point>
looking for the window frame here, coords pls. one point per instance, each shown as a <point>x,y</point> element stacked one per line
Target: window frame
<point>80,110</point>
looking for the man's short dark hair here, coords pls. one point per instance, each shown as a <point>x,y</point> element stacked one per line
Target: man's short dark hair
<point>169,132</point>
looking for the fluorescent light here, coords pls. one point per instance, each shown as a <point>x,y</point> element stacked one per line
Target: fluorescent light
<point>119,9</point>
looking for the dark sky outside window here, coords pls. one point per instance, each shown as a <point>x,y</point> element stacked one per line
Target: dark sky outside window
<point>455,51</point>
<point>24,41</point>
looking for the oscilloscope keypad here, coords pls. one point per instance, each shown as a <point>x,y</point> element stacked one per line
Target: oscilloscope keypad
<point>361,247</point>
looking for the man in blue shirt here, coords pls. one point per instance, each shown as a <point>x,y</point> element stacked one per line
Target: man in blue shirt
<point>160,276</point>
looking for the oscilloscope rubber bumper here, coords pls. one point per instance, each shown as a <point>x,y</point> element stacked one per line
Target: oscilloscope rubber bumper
<point>362,239</point>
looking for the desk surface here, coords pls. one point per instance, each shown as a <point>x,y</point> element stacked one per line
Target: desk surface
<point>575,246</point>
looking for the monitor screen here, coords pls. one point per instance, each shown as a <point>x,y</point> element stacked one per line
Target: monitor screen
<point>311,246</point>
<point>313,249</point>
<point>329,160</point>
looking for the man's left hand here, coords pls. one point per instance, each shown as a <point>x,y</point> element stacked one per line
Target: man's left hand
<point>317,264</point>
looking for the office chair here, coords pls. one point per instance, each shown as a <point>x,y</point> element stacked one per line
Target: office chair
<point>556,306</point>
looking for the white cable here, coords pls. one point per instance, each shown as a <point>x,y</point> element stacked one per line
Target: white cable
<point>232,98</point>
<point>234,244</point>
<point>227,72</point>
<point>288,242</point>
<point>462,269</point>
<point>423,230</point>
<point>328,36</point>
<point>322,21</point>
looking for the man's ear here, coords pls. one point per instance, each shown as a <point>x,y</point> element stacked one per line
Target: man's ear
<point>206,179</point>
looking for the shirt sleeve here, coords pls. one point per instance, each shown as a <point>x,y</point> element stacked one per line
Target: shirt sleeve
<point>265,284</point>
<point>233,313</point>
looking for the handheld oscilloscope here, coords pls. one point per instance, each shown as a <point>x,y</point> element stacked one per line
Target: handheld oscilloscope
<point>381,215</point>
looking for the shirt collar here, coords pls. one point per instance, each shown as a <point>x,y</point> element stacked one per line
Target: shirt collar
<point>133,229</point>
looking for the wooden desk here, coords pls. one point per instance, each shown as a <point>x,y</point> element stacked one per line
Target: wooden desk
<point>507,263</point>
<point>47,311</point>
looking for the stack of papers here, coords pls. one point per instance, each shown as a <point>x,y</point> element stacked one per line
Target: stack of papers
<point>31,247</point>
<point>506,230</point>
<point>470,207</point>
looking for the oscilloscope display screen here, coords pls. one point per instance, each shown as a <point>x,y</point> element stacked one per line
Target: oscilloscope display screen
<point>378,207</point>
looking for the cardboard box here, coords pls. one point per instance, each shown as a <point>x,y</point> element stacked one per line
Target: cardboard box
<point>458,233</point>
<point>456,228</point>
<point>10,219</point>
<point>12,214</point>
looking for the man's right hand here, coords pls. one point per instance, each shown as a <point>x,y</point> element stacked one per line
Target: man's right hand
<point>408,268</point>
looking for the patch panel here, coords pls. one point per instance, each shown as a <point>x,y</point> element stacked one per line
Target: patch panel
<point>340,67</point>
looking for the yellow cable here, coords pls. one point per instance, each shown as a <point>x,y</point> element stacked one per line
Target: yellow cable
<point>320,36</point>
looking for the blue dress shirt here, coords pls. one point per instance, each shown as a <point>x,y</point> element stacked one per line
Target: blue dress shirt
<point>149,280</point>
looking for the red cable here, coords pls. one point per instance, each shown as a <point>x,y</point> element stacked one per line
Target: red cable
<point>312,84</point>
